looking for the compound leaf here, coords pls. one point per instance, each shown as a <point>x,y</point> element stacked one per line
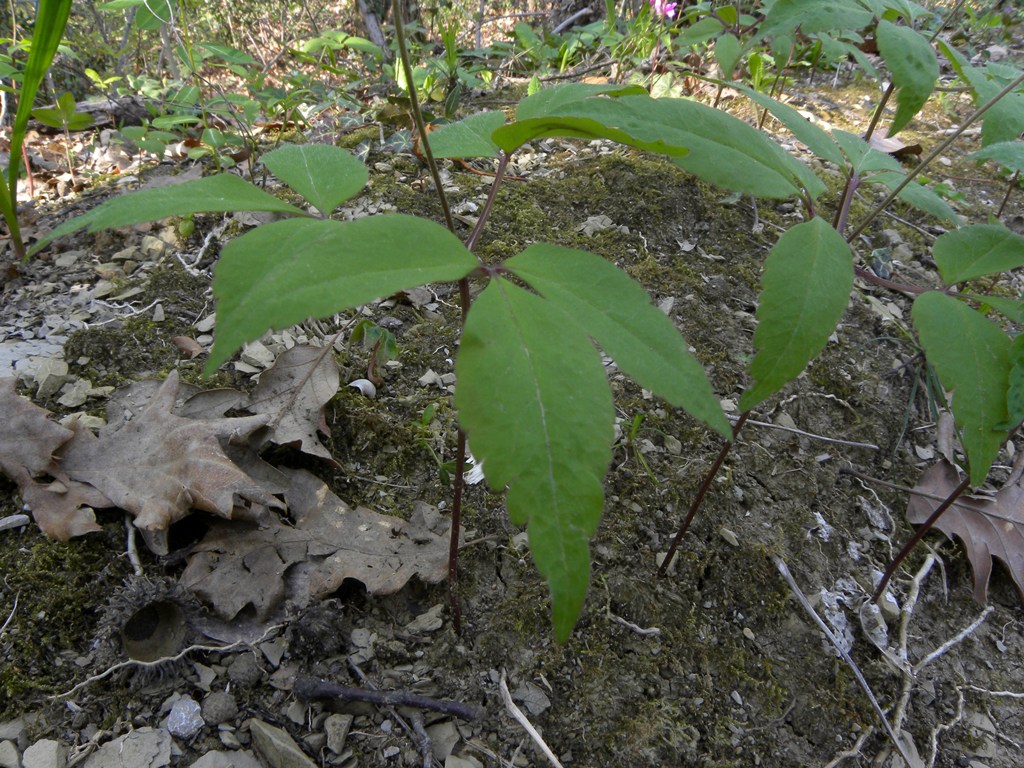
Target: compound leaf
<point>913,67</point>
<point>287,271</point>
<point>817,140</point>
<point>608,305</point>
<point>971,355</point>
<point>806,286</point>
<point>533,399</point>
<point>1009,154</point>
<point>981,249</point>
<point>324,174</point>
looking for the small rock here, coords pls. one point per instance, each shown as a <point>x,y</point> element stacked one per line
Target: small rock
<point>45,753</point>
<point>186,719</point>
<point>431,621</point>
<point>532,697</point>
<point>443,738</point>
<point>673,446</point>
<point>227,760</point>
<point>219,707</point>
<point>392,752</point>
<point>143,747</point>
<point>336,728</point>
<point>244,671</point>
<point>278,749</point>
<point>9,757</point>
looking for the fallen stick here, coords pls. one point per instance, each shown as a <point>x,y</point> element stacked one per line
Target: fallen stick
<point>312,689</point>
<point>519,717</point>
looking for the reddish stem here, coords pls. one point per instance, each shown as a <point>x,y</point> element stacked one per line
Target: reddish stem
<point>918,535</point>
<point>701,493</point>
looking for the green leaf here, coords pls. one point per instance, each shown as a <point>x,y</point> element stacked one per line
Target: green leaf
<point>971,356</point>
<point>726,151</point>
<point>533,399</point>
<point>51,19</point>
<point>223,192</point>
<point>699,32</point>
<point>1015,391</point>
<point>1011,309</point>
<point>550,102</point>
<point>727,54</point>
<point>913,67</point>
<point>862,158</point>
<point>284,272</point>
<point>1004,120</point>
<point>817,140</point>
<point>324,174</point>
<point>608,305</point>
<point>1009,154</point>
<point>470,137</point>
<point>806,286</point>
<point>810,16</point>
<point>917,195</point>
<point>980,249</point>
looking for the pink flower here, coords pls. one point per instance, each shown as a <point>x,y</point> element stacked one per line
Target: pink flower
<point>663,8</point>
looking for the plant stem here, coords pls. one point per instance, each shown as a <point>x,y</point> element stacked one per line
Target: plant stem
<point>417,113</point>
<point>879,110</point>
<point>1006,198</point>
<point>701,493</point>
<point>918,535</point>
<point>942,147</point>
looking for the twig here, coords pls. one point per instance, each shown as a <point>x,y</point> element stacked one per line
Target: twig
<point>958,638</point>
<point>10,617</point>
<point>132,548</point>
<point>999,694</point>
<point>519,717</point>
<point>409,729</point>
<point>802,598</point>
<point>634,627</point>
<point>312,688</point>
<point>165,660</point>
<point>854,751</point>
<point>802,433</point>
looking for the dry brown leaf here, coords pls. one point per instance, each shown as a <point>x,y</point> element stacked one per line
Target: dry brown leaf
<point>29,439</point>
<point>236,565</point>
<point>159,466</point>
<point>293,393</point>
<point>988,527</point>
<point>64,509</point>
<point>893,146</point>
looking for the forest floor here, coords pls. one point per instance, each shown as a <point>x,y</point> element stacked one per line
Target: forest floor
<point>716,665</point>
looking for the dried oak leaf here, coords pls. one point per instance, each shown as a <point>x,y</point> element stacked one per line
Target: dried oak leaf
<point>236,566</point>
<point>293,394</point>
<point>29,439</point>
<point>159,466</point>
<point>988,527</point>
<point>62,509</point>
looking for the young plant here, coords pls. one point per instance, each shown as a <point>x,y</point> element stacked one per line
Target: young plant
<point>51,19</point>
<point>64,117</point>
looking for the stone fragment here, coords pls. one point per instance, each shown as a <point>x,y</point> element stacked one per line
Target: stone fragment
<point>532,697</point>
<point>430,621</point>
<point>9,757</point>
<point>336,728</point>
<point>244,759</point>
<point>186,719</point>
<point>142,748</point>
<point>45,753</point>
<point>443,738</point>
<point>219,707</point>
<point>277,748</point>
<point>244,671</point>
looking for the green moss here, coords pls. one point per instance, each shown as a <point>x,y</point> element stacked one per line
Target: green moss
<point>58,586</point>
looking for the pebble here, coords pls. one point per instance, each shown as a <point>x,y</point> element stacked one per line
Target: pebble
<point>185,720</point>
<point>278,749</point>
<point>219,707</point>
<point>336,728</point>
<point>45,753</point>
<point>244,671</point>
<point>9,757</point>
